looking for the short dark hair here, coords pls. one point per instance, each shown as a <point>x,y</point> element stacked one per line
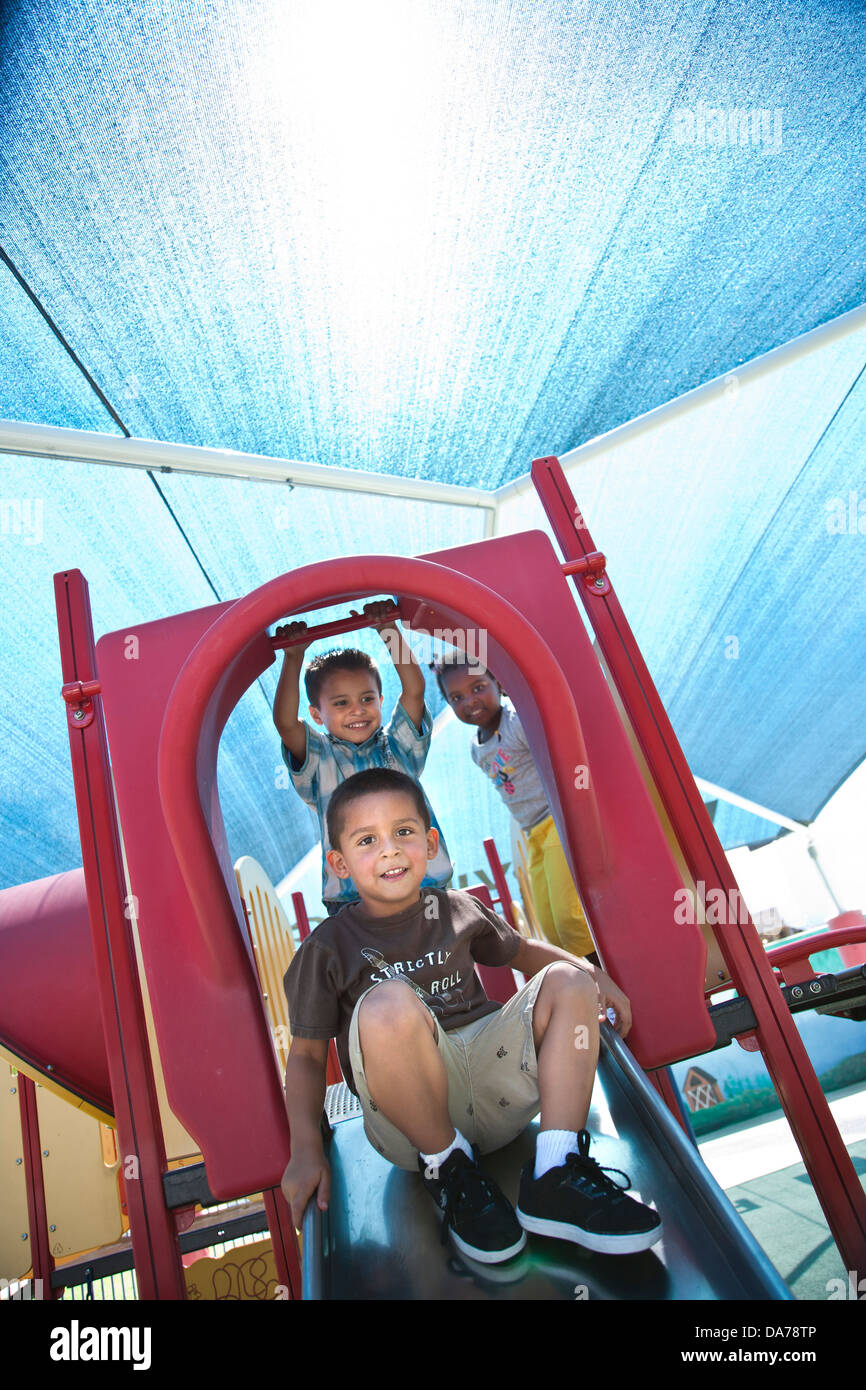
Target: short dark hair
<point>372,779</point>
<point>337,659</point>
<point>457,661</point>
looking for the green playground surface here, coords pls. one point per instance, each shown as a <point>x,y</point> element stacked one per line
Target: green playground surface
<point>776,1200</point>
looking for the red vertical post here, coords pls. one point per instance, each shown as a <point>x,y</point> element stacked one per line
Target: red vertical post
<point>301,917</point>
<point>498,980</point>
<point>284,1239</point>
<point>500,881</point>
<point>663,1082</point>
<point>40,1244</point>
<point>158,1268</point>
<point>827,1161</point>
<point>333,1071</point>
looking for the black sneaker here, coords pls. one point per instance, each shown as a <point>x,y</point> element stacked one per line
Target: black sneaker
<point>580,1202</point>
<point>480,1220</point>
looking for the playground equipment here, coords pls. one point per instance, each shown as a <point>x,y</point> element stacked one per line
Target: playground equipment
<point>160,697</point>
<point>59,1162</point>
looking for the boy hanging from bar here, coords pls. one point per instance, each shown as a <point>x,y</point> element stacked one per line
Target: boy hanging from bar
<point>344,690</point>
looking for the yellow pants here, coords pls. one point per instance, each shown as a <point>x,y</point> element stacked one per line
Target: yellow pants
<point>557,905</point>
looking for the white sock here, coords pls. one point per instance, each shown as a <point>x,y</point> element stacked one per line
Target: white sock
<point>552,1147</point>
<point>458,1142</point>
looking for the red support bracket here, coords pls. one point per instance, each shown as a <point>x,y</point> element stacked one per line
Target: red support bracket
<point>801,947</point>
<point>791,958</point>
<point>796,972</point>
<point>79,697</point>
<point>591,568</point>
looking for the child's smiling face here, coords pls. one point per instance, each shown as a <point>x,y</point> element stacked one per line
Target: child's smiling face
<point>385,848</point>
<point>473,694</point>
<point>350,706</point>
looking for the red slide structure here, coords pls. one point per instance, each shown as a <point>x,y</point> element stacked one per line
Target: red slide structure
<point>160,694</point>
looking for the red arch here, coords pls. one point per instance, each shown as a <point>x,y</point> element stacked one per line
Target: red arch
<point>186,761</point>
<point>165,713</point>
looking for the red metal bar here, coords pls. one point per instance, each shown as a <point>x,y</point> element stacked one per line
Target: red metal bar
<point>498,980</point>
<point>501,882</point>
<point>301,917</point>
<point>804,946</point>
<point>333,1070</point>
<point>824,1154</point>
<point>350,624</point>
<point>39,1242</point>
<point>157,1258</point>
<point>284,1239</point>
<point>663,1082</point>
<point>851,955</point>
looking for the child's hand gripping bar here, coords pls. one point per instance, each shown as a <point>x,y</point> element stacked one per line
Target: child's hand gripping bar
<point>350,624</point>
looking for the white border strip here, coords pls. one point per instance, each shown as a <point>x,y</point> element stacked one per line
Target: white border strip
<point>783,356</point>
<point>722,794</point>
<point>82,446</point>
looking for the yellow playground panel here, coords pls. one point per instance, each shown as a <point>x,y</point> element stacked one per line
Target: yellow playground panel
<point>273,946</point>
<point>79,1165</point>
<point>78,1152</point>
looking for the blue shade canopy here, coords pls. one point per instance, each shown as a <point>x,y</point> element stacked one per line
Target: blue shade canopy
<point>433,241</point>
<point>735,533</point>
<point>429,238</point>
<point>150,546</point>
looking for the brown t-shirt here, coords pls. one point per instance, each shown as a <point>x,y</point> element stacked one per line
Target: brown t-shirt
<point>433,946</point>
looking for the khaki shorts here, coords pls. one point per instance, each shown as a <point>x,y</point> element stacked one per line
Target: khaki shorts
<point>492,1078</point>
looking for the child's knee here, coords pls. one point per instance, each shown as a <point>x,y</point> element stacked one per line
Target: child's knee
<point>391,1009</point>
<point>564,982</point>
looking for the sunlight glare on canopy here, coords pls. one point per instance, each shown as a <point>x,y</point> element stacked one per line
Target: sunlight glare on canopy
<point>364,118</point>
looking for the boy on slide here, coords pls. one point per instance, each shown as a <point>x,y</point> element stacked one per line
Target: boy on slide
<point>441,1071</point>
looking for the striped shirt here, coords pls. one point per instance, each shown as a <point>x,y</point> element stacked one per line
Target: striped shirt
<point>328,761</point>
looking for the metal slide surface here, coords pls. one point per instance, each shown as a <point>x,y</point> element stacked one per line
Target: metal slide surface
<point>380,1238</point>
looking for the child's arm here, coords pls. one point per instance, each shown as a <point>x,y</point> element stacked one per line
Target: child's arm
<point>534,955</point>
<point>407,668</point>
<point>288,697</point>
<point>308,1170</point>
